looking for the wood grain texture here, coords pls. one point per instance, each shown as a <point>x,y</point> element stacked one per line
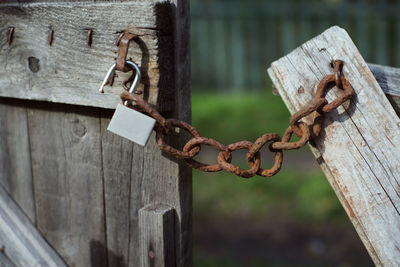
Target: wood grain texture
<point>387,77</point>
<point>389,80</point>
<point>153,177</point>
<point>69,71</point>
<point>156,227</point>
<point>15,161</point>
<point>117,166</point>
<point>20,241</point>
<point>89,184</point>
<point>360,141</point>
<point>5,261</point>
<point>67,173</point>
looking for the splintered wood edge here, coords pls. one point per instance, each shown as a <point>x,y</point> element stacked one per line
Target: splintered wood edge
<point>379,253</point>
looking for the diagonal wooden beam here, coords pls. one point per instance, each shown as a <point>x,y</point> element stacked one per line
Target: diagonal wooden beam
<point>20,241</point>
<point>389,80</point>
<point>5,261</point>
<point>387,77</point>
<point>359,148</point>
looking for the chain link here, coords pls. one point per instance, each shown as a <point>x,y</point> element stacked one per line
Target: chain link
<point>305,132</point>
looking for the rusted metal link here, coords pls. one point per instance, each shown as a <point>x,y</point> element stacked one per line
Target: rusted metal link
<point>338,64</point>
<point>227,166</point>
<point>205,141</point>
<point>173,151</point>
<point>325,85</point>
<point>256,147</point>
<point>304,131</point>
<point>149,109</point>
<point>307,110</point>
<point>316,105</point>
<point>286,145</point>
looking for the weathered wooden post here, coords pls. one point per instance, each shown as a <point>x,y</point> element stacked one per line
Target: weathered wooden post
<point>359,147</point>
<point>79,184</point>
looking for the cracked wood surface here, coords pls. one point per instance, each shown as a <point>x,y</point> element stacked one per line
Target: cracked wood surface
<point>359,146</point>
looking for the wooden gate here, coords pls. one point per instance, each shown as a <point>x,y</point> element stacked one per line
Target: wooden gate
<point>96,198</point>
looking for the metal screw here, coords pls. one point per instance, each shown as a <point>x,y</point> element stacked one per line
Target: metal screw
<point>10,35</point>
<point>89,37</point>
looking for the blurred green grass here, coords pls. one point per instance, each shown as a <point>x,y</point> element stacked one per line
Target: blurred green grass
<point>291,195</point>
<point>298,194</point>
<point>237,116</point>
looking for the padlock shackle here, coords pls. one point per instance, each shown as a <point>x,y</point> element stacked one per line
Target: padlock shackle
<point>111,71</point>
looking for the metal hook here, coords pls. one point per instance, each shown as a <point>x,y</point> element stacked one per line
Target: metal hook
<point>338,64</point>
<point>111,72</point>
<point>123,45</point>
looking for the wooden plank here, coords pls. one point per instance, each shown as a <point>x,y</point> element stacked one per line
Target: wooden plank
<point>152,176</point>
<point>5,261</point>
<point>157,237</point>
<point>49,73</point>
<point>389,80</point>
<point>144,176</point>
<point>15,161</point>
<point>20,241</point>
<point>117,160</point>
<point>360,143</point>
<point>67,174</point>
<point>387,77</point>
<point>173,185</point>
<point>89,185</point>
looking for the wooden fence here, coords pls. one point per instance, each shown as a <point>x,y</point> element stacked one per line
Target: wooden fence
<point>234,42</point>
<point>73,191</point>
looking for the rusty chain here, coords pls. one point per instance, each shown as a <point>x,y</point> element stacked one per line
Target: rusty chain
<point>305,132</point>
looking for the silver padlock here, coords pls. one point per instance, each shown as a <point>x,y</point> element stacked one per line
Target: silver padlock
<point>126,122</point>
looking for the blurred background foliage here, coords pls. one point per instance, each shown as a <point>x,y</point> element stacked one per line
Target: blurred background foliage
<point>293,218</point>
<point>234,41</point>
